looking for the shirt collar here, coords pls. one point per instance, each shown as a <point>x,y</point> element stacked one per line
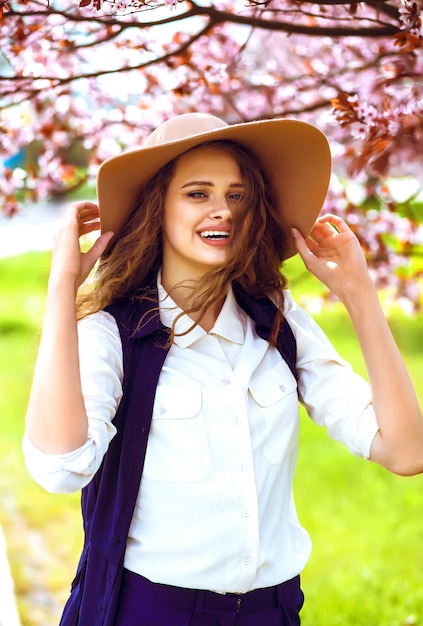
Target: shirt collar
<point>230,324</point>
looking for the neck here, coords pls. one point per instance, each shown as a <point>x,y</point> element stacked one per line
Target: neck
<point>209,318</point>
<point>183,296</point>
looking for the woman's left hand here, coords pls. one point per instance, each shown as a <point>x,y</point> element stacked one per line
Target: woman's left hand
<point>333,254</point>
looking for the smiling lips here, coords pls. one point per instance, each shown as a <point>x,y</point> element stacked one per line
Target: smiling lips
<point>215,237</point>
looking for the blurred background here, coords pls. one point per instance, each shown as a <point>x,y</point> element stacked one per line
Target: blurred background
<point>81,82</point>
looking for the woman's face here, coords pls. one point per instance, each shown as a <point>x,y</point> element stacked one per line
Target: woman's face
<point>203,194</point>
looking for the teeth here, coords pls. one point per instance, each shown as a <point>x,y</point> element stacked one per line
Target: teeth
<point>213,234</point>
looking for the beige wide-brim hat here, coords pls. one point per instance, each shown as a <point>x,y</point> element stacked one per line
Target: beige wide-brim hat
<point>295,156</point>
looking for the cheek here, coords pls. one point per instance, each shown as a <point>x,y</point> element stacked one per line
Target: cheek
<point>176,232</point>
<point>170,222</point>
<point>174,215</point>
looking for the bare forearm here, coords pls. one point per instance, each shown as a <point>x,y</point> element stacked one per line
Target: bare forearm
<point>56,417</point>
<point>399,444</point>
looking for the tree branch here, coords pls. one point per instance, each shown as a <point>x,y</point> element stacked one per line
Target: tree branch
<point>56,81</point>
<point>219,17</point>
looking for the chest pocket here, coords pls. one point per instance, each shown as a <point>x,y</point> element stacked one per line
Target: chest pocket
<point>177,449</point>
<point>274,393</point>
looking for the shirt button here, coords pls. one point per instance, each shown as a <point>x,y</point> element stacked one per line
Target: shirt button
<point>237,421</point>
<point>226,381</point>
<point>247,560</point>
<point>246,512</point>
<point>162,410</point>
<point>282,387</point>
<point>242,467</point>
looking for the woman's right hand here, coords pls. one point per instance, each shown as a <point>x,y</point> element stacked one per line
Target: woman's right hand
<point>68,261</point>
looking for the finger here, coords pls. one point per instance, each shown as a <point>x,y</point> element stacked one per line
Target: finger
<point>323,230</point>
<point>84,205</point>
<point>99,246</point>
<point>335,221</point>
<point>84,210</point>
<point>89,227</point>
<point>301,245</point>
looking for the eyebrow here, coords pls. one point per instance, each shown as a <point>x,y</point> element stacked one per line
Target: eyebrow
<point>206,183</point>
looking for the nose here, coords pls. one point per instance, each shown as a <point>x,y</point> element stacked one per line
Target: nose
<point>220,210</point>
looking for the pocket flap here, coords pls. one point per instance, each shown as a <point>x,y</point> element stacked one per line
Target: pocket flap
<point>273,385</point>
<point>177,402</point>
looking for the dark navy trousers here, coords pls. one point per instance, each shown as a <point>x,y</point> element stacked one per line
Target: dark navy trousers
<point>143,603</point>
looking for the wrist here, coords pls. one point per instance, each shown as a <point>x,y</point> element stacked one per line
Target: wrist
<point>360,297</point>
<point>63,282</point>
<point>61,298</point>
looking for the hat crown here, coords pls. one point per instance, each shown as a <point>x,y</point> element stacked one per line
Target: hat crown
<point>183,127</point>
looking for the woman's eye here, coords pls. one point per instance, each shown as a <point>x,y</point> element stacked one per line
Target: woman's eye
<point>196,194</point>
<point>237,197</point>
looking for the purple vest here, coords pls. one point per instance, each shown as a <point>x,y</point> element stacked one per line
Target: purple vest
<point>108,501</point>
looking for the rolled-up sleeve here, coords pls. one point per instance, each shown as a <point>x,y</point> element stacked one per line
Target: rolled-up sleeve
<point>101,367</point>
<point>333,395</point>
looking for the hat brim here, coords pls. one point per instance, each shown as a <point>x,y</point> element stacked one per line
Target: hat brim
<point>295,156</point>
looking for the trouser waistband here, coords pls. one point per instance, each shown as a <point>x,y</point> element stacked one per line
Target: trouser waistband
<point>197,600</point>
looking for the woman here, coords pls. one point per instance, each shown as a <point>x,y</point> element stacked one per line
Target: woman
<point>178,413</point>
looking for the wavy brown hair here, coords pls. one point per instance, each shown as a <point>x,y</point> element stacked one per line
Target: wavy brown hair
<point>255,252</point>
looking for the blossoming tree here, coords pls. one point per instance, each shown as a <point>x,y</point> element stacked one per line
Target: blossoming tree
<point>81,82</point>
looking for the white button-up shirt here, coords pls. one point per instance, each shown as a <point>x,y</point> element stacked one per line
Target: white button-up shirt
<point>215,508</point>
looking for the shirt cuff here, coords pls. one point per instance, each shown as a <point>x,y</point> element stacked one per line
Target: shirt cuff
<point>62,473</point>
<point>367,428</point>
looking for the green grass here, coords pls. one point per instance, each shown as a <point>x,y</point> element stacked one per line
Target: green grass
<point>42,530</point>
<point>367,563</point>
